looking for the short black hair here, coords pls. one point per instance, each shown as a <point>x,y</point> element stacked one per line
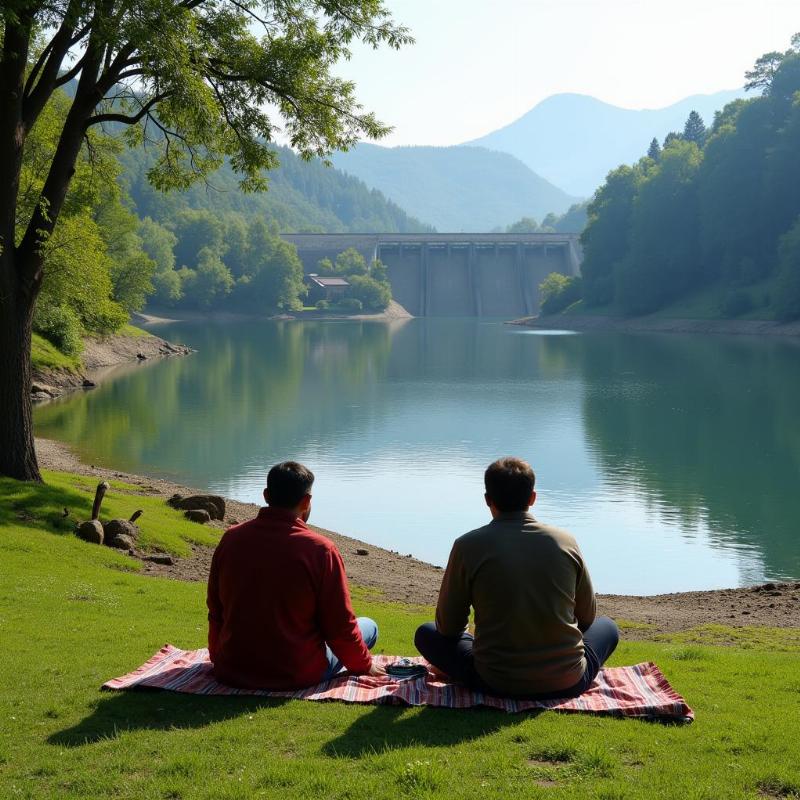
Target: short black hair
<point>509,482</point>
<point>288,483</point>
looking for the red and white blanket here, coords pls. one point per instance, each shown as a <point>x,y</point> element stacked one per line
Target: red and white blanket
<point>637,691</point>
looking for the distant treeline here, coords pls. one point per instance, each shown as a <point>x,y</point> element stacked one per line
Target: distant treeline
<point>715,209</point>
<point>571,221</point>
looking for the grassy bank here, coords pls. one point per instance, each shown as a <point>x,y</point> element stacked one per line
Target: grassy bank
<point>73,615</point>
<point>46,356</point>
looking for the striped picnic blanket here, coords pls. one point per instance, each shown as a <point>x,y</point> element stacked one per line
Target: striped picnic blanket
<point>637,691</point>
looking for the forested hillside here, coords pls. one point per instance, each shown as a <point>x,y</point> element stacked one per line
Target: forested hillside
<point>455,188</point>
<point>712,211</point>
<point>303,197</point>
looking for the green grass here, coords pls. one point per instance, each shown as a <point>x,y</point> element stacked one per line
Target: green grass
<point>45,355</point>
<point>72,616</point>
<point>133,331</point>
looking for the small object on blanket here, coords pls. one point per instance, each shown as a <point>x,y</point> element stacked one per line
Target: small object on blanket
<point>635,691</point>
<point>405,669</point>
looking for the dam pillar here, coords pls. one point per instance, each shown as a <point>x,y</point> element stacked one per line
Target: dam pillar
<point>524,288</point>
<point>424,280</point>
<point>472,272</point>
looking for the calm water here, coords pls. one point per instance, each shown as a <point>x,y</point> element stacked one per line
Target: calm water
<point>674,460</point>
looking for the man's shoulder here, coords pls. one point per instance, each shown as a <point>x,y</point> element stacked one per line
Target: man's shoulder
<point>562,536</point>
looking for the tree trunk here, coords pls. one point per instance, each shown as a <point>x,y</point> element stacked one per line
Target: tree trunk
<point>17,449</point>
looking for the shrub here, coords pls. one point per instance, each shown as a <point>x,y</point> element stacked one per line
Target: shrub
<point>350,304</point>
<point>736,303</point>
<point>60,326</point>
<point>374,295</point>
<point>323,305</point>
<point>559,291</point>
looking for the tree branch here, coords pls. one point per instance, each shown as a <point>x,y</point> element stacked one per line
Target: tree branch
<point>127,119</point>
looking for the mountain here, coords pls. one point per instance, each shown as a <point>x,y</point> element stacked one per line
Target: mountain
<point>303,197</point>
<point>573,140</point>
<point>455,188</point>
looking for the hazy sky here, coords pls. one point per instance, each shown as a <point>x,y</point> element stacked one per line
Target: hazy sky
<point>477,66</point>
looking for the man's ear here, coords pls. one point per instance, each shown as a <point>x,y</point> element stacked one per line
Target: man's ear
<point>305,502</point>
<point>487,500</point>
<point>532,500</point>
<point>266,496</point>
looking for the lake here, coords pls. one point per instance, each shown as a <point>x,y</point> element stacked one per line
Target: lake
<point>673,459</point>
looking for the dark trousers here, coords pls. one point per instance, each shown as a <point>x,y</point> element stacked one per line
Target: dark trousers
<point>453,656</point>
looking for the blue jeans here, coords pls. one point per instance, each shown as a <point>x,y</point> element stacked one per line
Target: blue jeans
<point>453,656</point>
<point>369,633</point>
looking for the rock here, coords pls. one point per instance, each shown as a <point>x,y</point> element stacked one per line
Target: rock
<point>160,558</point>
<point>87,384</point>
<point>122,542</point>
<point>197,515</point>
<point>121,529</point>
<point>141,356</point>
<point>41,388</point>
<point>362,552</point>
<point>91,531</point>
<point>213,503</point>
<point>40,396</point>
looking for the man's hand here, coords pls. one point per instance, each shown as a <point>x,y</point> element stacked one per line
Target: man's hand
<point>376,670</point>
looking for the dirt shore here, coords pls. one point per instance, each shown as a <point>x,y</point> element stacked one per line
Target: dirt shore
<point>403,578</point>
<point>99,354</point>
<point>394,311</point>
<point>650,324</point>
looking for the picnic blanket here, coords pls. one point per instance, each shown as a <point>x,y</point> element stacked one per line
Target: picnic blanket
<point>636,691</point>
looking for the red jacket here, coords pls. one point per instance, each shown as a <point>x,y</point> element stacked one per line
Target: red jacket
<point>277,592</point>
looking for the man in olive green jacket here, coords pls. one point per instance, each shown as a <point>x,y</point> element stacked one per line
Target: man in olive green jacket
<point>536,630</point>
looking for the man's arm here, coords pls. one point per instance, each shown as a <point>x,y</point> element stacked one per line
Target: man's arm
<point>452,610</point>
<point>214,606</point>
<point>337,620</point>
<point>585,601</point>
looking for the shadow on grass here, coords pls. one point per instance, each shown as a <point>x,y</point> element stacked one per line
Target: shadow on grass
<point>42,505</point>
<point>395,727</point>
<point>156,710</point>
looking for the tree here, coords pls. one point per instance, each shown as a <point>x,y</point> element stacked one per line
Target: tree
<point>524,225</point>
<point>695,129</point>
<point>654,151</point>
<point>789,274</point>
<point>194,80</point>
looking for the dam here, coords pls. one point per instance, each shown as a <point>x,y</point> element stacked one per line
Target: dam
<point>455,274</point>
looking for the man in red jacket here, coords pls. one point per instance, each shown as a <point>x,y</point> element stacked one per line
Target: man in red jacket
<point>279,612</point>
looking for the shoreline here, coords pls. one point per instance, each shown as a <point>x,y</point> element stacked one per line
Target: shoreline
<point>402,578</point>
<point>100,355</point>
<point>161,316</point>
<point>651,324</point>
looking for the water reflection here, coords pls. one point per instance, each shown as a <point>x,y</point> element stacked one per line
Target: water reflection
<point>671,458</point>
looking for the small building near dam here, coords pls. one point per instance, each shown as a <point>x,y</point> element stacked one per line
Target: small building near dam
<point>455,274</point>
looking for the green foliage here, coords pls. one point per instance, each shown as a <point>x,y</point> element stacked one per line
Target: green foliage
<point>372,294</point>
<point>352,305</point>
<point>736,303</point>
<point>524,225</point>
<point>209,282</point>
<point>604,239</point>
<point>654,151</point>
<point>789,273</point>
<point>660,265</point>
<point>350,262</point>
<point>60,326</point>
<point>275,279</point>
<point>45,355</point>
<point>709,210</point>
<point>694,130</point>
<point>559,291</point>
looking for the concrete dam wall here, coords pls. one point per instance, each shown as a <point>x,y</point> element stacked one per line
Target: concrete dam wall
<point>456,275</point>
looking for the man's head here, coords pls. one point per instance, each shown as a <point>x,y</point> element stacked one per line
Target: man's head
<point>509,485</point>
<point>289,486</point>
